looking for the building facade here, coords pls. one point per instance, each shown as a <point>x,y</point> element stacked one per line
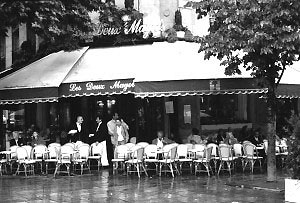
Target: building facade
<point>175,99</point>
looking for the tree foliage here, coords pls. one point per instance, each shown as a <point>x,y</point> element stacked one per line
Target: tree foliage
<point>60,23</point>
<point>261,36</point>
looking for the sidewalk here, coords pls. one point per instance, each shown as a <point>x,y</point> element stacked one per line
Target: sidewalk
<point>257,182</point>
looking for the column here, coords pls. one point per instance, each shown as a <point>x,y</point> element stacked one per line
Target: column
<point>8,48</point>
<point>242,107</point>
<point>166,118</point>
<point>42,115</point>
<point>22,33</point>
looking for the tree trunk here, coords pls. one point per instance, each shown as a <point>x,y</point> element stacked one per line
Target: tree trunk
<point>271,157</point>
<point>271,131</point>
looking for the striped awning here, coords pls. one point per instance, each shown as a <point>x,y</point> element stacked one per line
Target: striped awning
<point>39,81</point>
<point>160,69</point>
<point>198,87</point>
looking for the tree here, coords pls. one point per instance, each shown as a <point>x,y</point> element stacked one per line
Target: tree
<point>261,36</point>
<point>61,24</point>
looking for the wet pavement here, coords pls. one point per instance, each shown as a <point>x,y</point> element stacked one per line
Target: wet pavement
<point>103,186</point>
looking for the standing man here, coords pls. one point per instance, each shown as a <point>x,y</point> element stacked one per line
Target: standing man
<point>16,140</point>
<point>112,131</point>
<point>77,131</point>
<point>101,132</point>
<point>100,136</point>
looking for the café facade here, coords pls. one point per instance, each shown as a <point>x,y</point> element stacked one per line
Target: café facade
<point>160,85</point>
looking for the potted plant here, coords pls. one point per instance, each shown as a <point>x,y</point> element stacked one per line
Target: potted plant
<point>292,185</point>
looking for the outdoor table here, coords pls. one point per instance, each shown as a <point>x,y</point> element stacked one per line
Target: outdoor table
<point>261,150</point>
<point>192,152</point>
<point>160,154</point>
<point>7,154</point>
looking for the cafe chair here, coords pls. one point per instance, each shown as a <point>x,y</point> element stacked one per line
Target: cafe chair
<point>214,155</point>
<point>151,157</point>
<point>3,163</point>
<point>39,152</point>
<point>202,163</point>
<point>120,156</point>
<point>24,160</point>
<point>183,158</point>
<point>81,158</point>
<point>199,150</point>
<point>190,148</point>
<point>226,158</point>
<point>13,156</point>
<point>239,153</point>
<point>51,156</point>
<point>29,150</point>
<point>136,161</point>
<point>168,164</point>
<point>64,159</point>
<point>96,152</point>
<point>71,144</point>
<point>143,144</point>
<point>54,144</point>
<point>129,145</point>
<point>251,156</point>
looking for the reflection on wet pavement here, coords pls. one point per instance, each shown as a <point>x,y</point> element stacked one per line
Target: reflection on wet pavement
<point>105,187</point>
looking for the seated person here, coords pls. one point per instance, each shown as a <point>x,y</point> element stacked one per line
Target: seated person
<point>16,140</point>
<point>256,138</point>
<point>37,139</point>
<point>221,136</point>
<point>160,141</point>
<point>230,139</point>
<point>194,138</point>
<point>212,139</point>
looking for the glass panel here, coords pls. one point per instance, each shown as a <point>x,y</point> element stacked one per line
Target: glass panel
<point>220,109</point>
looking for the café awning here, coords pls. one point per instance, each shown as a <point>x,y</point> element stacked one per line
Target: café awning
<point>289,86</point>
<point>177,69</point>
<point>151,70</point>
<point>102,71</point>
<point>39,81</point>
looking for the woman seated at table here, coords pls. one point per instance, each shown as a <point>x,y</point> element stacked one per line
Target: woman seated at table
<point>160,141</point>
<point>194,138</point>
<point>37,139</point>
<point>17,139</point>
<point>230,139</point>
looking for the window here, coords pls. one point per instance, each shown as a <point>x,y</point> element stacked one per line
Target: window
<point>2,53</point>
<point>222,109</point>
<point>15,43</point>
<point>14,118</point>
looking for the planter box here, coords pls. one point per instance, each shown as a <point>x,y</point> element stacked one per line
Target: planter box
<point>292,190</point>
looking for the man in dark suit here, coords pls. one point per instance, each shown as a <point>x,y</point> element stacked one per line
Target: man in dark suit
<point>101,131</point>
<point>77,131</point>
<point>101,136</point>
<point>17,140</point>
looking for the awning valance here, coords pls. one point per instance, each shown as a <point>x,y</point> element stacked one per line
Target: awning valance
<point>39,81</point>
<point>197,87</point>
<point>153,70</point>
<point>288,91</point>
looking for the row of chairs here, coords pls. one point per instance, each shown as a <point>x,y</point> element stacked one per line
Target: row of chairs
<point>27,157</point>
<point>174,156</point>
